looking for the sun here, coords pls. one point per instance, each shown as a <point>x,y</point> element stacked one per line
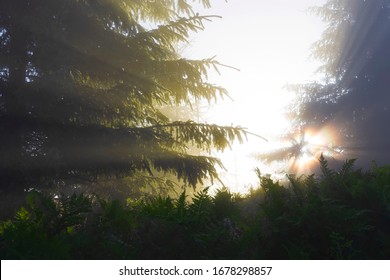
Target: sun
<point>312,144</point>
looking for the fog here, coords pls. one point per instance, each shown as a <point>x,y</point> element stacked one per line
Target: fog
<point>324,75</point>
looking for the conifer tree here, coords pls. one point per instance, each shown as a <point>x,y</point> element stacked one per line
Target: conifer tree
<point>352,97</point>
<point>81,84</point>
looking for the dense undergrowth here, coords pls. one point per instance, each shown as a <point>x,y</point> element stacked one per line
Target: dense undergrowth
<point>339,215</point>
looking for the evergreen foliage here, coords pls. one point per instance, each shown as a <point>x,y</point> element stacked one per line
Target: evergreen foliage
<point>352,95</point>
<point>81,87</point>
<point>342,214</point>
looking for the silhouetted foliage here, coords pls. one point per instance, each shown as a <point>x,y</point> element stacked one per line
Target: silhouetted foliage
<point>81,84</point>
<point>353,95</point>
<point>339,215</point>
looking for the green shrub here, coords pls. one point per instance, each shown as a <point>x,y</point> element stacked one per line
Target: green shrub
<point>339,215</point>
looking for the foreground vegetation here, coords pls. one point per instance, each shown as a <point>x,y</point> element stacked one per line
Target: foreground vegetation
<point>340,215</point>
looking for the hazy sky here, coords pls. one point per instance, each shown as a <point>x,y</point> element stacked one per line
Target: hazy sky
<point>269,41</point>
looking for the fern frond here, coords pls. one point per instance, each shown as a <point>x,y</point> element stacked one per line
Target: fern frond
<point>347,167</point>
<point>326,171</point>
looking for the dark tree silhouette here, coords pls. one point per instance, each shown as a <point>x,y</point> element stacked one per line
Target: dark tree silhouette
<point>81,84</point>
<point>354,94</point>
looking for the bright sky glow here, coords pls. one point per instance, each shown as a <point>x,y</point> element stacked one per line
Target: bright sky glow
<point>269,41</point>
<point>315,143</point>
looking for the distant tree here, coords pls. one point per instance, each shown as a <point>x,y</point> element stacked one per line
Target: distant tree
<point>81,84</point>
<point>354,93</point>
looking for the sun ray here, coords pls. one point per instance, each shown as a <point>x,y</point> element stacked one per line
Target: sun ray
<point>270,47</point>
<point>313,144</point>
